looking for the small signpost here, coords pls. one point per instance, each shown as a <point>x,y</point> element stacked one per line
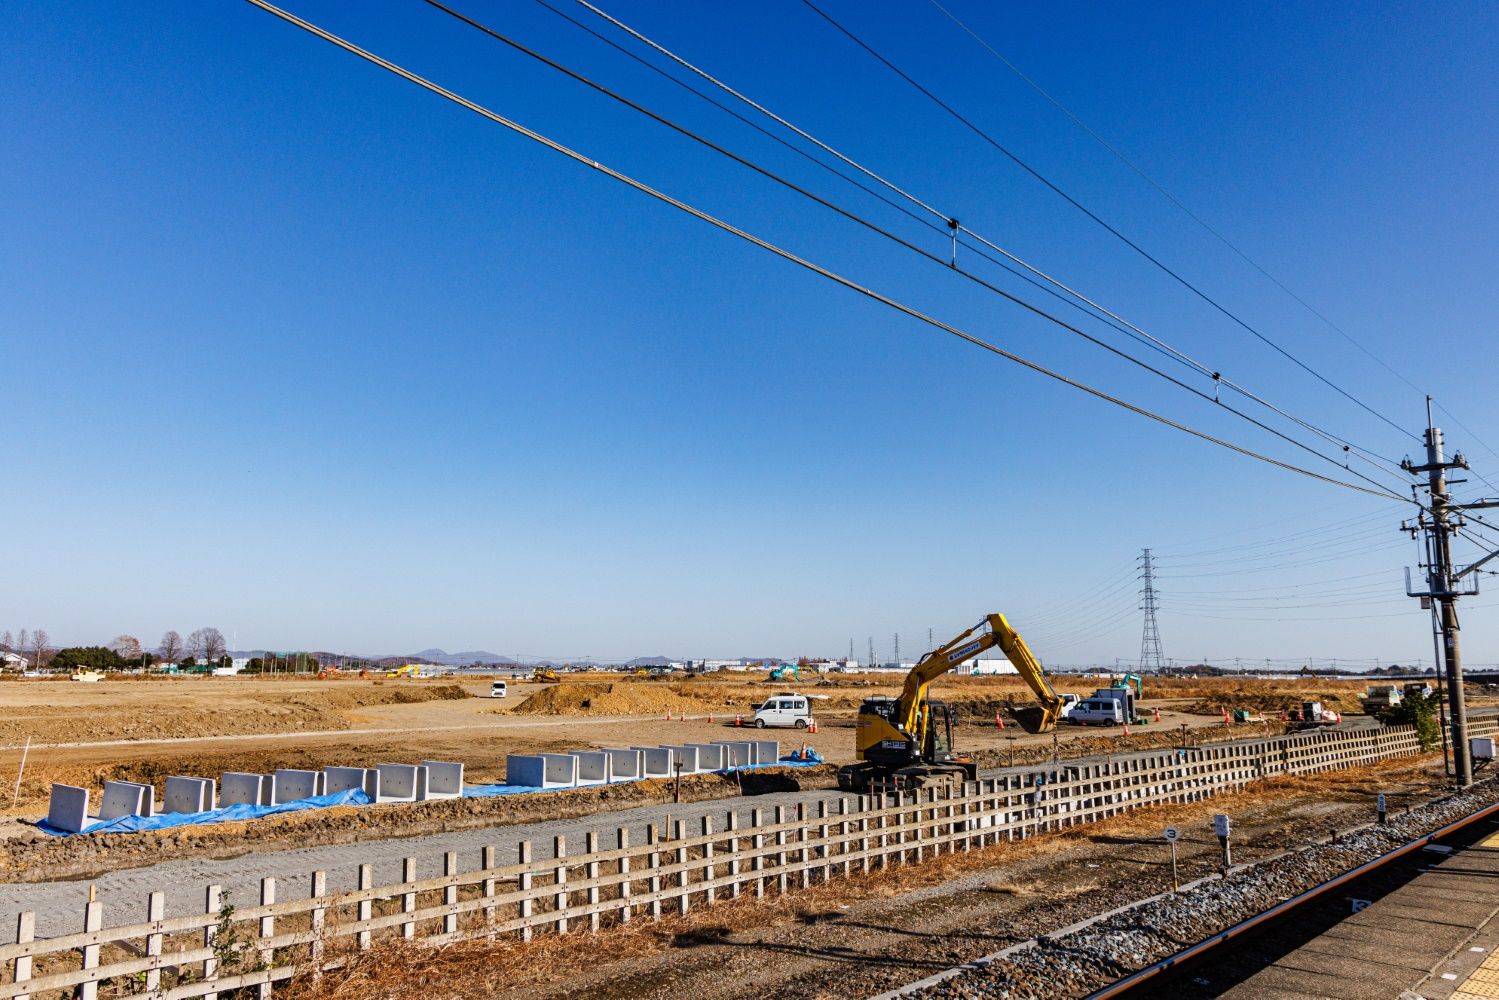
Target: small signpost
<point>1171,835</point>
<point>1380,802</point>
<point>1223,827</point>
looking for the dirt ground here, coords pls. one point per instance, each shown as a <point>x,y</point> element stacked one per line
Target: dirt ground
<point>870,933</point>
<point>145,730</point>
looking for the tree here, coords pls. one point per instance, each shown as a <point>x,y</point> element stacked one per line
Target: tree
<point>127,646</point>
<point>23,641</point>
<point>171,646</point>
<point>87,658</point>
<point>7,641</point>
<point>1417,711</point>
<point>207,644</point>
<point>39,644</point>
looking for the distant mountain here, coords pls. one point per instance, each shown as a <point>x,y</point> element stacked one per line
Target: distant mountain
<point>649,661</point>
<point>461,659</point>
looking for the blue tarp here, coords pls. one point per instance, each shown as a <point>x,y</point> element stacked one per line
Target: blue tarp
<point>353,797</point>
<point>228,814</point>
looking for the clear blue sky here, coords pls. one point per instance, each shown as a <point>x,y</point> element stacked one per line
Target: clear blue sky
<point>296,349</point>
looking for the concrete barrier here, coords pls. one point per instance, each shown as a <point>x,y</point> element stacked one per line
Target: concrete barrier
<point>542,770</point>
<point>625,765</point>
<point>126,798</point>
<point>348,779</point>
<point>710,756</point>
<point>767,751</point>
<point>684,755</point>
<point>293,784</point>
<point>401,783</point>
<point>444,779</point>
<point>593,766</point>
<point>655,762</point>
<point>188,795</point>
<point>739,753</point>
<point>67,809</point>
<point>241,788</point>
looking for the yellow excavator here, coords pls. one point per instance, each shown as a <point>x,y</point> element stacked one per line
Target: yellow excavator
<point>910,737</point>
<point>545,675</point>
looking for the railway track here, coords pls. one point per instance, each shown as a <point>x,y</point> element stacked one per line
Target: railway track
<point>1219,933</point>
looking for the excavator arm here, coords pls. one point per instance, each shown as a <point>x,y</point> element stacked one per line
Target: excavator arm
<point>993,631</point>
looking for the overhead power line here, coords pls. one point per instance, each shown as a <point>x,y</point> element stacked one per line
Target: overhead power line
<point>787,255</point>
<point>1013,157</point>
<point>933,258</point>
<point>957,231</point>
<point>1214,232</point>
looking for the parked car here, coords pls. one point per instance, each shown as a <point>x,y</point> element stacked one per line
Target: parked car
<point>498,689</point>
<point>1069,702</point>
<point>785,709</point>
<point>1097,712</point>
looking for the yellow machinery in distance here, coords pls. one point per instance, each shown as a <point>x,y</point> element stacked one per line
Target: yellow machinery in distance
<point>545,675</point>
<point>910,737</point>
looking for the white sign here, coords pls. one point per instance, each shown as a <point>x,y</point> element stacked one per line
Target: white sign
<point>1381,801</point>
<point>1172,834</point>
<point>1221,825</point>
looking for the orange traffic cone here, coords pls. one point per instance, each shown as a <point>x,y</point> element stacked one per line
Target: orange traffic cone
<point>1126,727</point>
<point>812,726</point>
<point>710,718</point>
<point>1157,715</point>
<point>999,721</point>
<point>668,716</point>
<point>738,720</point>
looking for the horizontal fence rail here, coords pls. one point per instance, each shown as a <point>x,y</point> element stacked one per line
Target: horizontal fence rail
<point>247,949</point>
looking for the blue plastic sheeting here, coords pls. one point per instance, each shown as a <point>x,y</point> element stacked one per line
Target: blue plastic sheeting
<point>354,797</point>
<point>228,814</point>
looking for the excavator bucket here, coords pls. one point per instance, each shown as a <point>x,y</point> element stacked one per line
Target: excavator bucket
<point>1032,718</point>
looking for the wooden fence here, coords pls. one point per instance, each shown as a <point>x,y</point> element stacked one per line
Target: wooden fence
<point>243,951</point>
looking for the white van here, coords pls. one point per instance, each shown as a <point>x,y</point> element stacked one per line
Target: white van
<point>784,709</point>
<point>498,689</point>
<point>1097,712</point>
<point>1069,702</point>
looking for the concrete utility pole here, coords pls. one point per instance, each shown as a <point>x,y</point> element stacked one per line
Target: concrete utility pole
<point>1436,526</point>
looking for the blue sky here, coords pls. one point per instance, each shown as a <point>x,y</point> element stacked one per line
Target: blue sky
<point>301,351</point>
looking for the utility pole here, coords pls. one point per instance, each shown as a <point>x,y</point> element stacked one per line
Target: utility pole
<point>1435,525</point>
<point>871,652</point>
<point>897,650</point>
<point>1151,657</point>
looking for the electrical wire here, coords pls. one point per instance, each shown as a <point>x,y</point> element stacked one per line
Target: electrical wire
<point>847,214</point>
<point>1189,213</point>
<point>1097,219</point>
<point>791,257</point>
<point>956,227</point>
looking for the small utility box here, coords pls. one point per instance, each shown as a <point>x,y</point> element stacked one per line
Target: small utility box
<point>1482,747</point>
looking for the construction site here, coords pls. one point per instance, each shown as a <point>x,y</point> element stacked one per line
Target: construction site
<point>1001,815</point>
<point>973,501</point>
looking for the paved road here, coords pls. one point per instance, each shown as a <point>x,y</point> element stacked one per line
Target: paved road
<point>59,905</point>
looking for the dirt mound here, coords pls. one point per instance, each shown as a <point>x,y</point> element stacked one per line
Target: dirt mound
<point>616,699</point>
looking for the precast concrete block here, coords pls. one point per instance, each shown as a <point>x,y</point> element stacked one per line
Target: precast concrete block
<point>625,765</point>
<point>542,770</point>
<point>686,755</point>
<point>348,779</point>
<point>710,756</point>
<point>739,753</point>
<point>767,751</point>
<point>293,785</point>
<point>655,762</point>
<point>444,779</point>
<point>67,808</point>
<point>240,788</point>
<point>124,798</point>
<point>188,795</point>
<point>593,766</point>
<point>402,782</point>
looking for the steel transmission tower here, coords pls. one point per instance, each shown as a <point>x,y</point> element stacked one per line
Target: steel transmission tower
<point>1151,657</point>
